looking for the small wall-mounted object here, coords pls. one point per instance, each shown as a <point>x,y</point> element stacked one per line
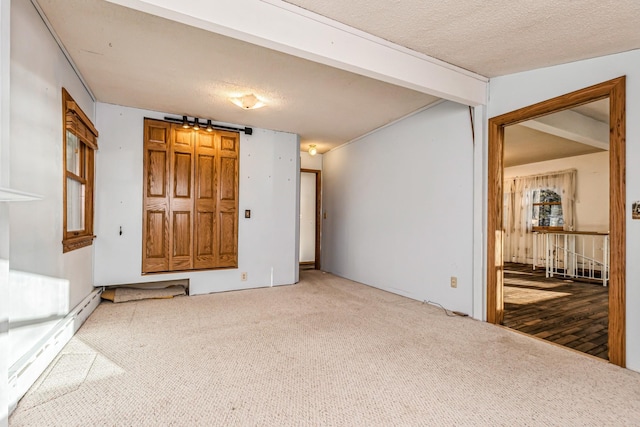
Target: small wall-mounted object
<point>247,213</point>
<point>454,282</point>
<point>635,210</point>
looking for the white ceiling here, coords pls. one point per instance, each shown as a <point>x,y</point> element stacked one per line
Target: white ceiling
<point>497,37</point>
<point>523,145</point>
<point>135,59</point>
<point>144,61</point>
<point>598,110</point>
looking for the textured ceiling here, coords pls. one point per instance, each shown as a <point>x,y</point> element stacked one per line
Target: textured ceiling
<point>523,145</point>
<point>135,59</point>
<point>140,60</point>
<point>598,110</point>
<point>497,37</point>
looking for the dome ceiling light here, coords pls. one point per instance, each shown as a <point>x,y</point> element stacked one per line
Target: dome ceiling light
<point>247,102</point>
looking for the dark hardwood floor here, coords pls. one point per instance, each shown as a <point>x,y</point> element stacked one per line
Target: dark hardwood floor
<point>566,312</point>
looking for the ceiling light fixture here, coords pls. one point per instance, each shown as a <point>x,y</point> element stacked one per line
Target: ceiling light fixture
<point>209,127</point>
<point>196,123</point>
<point>247,102</point>
<point>313,150</point>
<point>185,122</point>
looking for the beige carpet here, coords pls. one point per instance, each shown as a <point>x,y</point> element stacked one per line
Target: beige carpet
<point>324,352</point>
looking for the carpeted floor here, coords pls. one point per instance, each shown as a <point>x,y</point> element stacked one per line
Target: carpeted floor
<point>326,351</point>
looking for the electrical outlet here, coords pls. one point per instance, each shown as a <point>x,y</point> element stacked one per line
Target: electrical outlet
<point>243,276</point>
<point>454,282</point>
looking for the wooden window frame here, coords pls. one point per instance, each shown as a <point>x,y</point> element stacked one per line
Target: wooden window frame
<point>75,121</point>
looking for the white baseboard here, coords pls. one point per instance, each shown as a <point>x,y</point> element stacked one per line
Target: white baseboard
<point>29,367</point>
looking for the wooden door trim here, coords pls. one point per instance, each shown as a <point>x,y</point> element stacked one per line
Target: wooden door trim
<point>318,212</point>
<point>615,91</point>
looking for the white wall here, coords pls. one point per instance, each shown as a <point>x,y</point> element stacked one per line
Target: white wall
<point>4,340</point>
<point>399,206</point>
<point>39,271</point>
<point>38,72</point>
<point>514,91</point>
<point>267,242</point>
<point>5,58</point>
<point>592,195</point>
<point>310,162</point>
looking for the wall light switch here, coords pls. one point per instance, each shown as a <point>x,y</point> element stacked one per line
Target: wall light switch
<point>454,282</point>
<point>247,213</point>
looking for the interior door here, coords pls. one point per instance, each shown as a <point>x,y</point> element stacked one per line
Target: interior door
<point>307,218</point>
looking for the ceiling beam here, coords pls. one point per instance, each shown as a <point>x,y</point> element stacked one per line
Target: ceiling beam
<point>286,28</point>
<point>574,126</point>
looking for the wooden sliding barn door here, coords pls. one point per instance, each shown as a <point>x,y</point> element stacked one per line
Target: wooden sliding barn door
<point>191,220</point>
<point>205,200</point>
<point>181,199</point>
<point>227,209</point>
<point>155,215</point>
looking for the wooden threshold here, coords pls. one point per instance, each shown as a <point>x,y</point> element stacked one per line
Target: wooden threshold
<point>515,331</point>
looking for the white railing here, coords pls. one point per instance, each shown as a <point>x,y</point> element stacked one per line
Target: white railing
<point>572,254</point>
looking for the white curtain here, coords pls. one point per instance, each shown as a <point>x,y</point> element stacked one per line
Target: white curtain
<point>518,210</point>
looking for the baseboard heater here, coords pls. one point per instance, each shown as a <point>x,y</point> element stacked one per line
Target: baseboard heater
<point>24,373</point>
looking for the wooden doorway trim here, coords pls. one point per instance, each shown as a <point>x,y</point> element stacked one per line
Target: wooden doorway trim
<point>615,91</point>
<point>318,174</point>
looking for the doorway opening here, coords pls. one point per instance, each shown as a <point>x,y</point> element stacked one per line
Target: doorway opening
<point>310,218</point>
<point>556,227</point>
<point>614,90</point>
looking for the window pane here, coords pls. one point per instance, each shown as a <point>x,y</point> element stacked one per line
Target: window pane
<point>544,215</point>
<point>535,218</point>
<point>535,198</point>
<point>73,153</point>
<point>549,196</point>
<point>555,216</point>
<point>75,205</point>
<point>547,210</point>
